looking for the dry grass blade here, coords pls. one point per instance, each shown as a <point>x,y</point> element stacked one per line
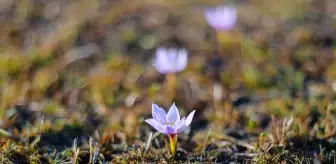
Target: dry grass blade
<point>149,140</point>
<point>75,151</point>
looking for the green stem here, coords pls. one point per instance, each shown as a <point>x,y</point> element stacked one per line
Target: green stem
<point>218,43</point>
<point>173,144</point>
<point>223,41</point>
<point>171,82</point>
<point>217,98</point>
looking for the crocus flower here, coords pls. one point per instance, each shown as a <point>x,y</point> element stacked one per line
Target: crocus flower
<point>221,18</point>
<point>169,123</point>
<point>170,60</point>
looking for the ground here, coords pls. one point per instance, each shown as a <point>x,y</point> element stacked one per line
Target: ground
<point>77,83</point>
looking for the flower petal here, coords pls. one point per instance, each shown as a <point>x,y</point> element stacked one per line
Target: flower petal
<point>162,61</point>
<point>172,55</point>
<point>170,130</point>
<point>180,123</point>
<point>222,18</point>
<point>183,128</point>
<point>158,114</point>
<point>189,118</point>
<point>173,114</point>
<point>182,59</point>
<point>228,17</point>
<point>210,16</point>
<point>156,125</point>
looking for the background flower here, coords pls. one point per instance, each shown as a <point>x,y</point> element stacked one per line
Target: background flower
<point>170,60</point>
<point>222,18</point>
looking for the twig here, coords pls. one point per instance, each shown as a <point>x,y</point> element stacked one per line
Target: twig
<point>246,154</point>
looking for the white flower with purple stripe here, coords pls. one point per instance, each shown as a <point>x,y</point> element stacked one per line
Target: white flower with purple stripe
<point>170,60</point>
<point>221,18</point>
<point>169,123</point>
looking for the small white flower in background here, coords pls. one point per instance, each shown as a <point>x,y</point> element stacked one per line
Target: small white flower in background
<point>170,60</point>
<point>221,18</point>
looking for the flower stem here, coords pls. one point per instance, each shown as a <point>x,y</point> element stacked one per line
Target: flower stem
<point>173,144</point>
<point>171,82</point>
<point>223,41</point>
<point>218,42</point>
<point>217,99</point>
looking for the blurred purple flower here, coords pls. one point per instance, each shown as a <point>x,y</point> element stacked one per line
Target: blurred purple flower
<point>169,123</point>
<point>222,18</point>
<point>170,60</point>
